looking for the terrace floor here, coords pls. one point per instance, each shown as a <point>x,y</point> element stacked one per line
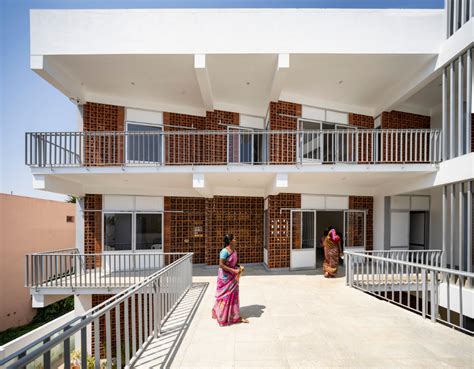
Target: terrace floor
<point>302,320</point>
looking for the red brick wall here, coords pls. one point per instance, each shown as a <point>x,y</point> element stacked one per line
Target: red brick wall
<point>185,231</point>
<point>240,216</point>
<point>283,148</point>
<point>93,226</point>
<point>364,141</point>
<point>363,203</point>
<point>184,149</point>
<point>360,120</point>
<point>216,146</point>
<point>401,142</point>
<point>402,120</point>
<point>279,232</point>
<point>103,150</point>
<point>97,300</point>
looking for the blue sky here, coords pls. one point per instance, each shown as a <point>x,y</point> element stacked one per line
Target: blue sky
<point>28,103</point>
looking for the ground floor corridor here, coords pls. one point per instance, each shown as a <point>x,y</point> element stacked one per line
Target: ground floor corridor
<point>302,320</point>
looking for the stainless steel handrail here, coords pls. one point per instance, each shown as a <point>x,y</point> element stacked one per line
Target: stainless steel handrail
<point>225,147</point>
<point>424,289</point>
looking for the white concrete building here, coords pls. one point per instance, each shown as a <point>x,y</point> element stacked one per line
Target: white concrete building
<point>271,124</point>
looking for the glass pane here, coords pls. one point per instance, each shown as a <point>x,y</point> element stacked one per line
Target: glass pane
<point>144,147</point>
<point>118,232</point>
<point>246,147</point>
<point>307,239</point>
<point>148,232</point>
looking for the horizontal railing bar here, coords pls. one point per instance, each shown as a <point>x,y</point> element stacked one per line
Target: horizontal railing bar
<point>406,263</point>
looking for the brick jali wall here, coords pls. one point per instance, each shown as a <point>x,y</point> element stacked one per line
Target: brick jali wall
<point>240,216</point>
<point>103,150</point>
<point>283,148</point>
<point>216,146</point>
<point>403,143</point>
<point>185,231</point>
<point>362,203</point>
<point>184,149</point>
<point>93,226</point>
<point>279,232</point>
<point>365,141</point>
<point>97,300</point>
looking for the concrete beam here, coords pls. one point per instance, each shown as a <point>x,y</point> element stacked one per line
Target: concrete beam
<point>39,300</point>
<point>201,185</point>
<point>63,81</point>
<point>204,82</point>
<point>278,183</point>
<point>279,76</point>
<point>54,184</point>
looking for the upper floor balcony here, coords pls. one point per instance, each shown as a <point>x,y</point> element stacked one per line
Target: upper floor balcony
<point>232,147</point>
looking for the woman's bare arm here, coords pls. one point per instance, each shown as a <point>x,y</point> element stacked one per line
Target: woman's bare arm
<point>227,268</point>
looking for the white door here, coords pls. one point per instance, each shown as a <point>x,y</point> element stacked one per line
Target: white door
<point>303,239</point>
<point>355,229</point>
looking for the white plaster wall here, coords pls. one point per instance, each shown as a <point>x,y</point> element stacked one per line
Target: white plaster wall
<point>201,31</point>
<point>379,226</point>
<point>143,116</point>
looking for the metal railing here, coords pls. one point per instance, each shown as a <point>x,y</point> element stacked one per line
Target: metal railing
<point>152,148</point>
<point>425,257</point>
<point>458,12</point>
<point>429,290</point>
<point>71,269</point>
<point>103,339</point>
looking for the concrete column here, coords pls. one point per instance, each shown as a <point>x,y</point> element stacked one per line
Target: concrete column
<point>83,303</point>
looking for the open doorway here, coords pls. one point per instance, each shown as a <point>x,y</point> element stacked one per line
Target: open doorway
<point>419,230</point>
<point>326,219</point>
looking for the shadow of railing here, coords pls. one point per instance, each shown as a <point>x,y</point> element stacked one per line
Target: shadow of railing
<point>161,352</point>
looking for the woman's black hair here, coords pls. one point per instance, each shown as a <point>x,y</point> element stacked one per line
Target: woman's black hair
<point>327,229</point>
<point>228,238</point>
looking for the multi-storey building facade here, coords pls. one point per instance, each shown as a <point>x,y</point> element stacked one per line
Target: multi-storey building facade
<point>268,124</point>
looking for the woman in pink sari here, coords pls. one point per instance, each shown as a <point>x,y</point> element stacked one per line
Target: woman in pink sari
<point>226,309</point>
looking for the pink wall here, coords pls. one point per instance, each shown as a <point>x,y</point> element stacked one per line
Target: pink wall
<point>27,225</point>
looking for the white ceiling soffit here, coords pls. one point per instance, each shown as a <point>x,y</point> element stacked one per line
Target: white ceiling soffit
<point>240,83</point>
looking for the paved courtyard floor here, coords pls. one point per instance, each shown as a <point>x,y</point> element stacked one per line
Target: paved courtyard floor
<point>302,320</point>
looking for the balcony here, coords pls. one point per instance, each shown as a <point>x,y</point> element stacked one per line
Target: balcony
<point>232,147</point>
<point>69,271</point>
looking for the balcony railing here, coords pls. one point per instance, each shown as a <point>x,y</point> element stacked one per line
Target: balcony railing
<point>99,336</point>
<point>415,282</point>
<point>69,269</point>
<point>151,148</point>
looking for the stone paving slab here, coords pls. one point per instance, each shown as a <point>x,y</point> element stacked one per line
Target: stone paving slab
<point>302,320</point>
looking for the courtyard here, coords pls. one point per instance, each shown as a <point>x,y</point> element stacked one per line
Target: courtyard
<point>302,320</point>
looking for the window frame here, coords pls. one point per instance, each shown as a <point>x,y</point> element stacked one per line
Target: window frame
<point>133,249</point>
<point>162,130</point>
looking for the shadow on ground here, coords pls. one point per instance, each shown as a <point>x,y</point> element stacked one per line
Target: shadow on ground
<point>161,351</point>
<point>252,311</point>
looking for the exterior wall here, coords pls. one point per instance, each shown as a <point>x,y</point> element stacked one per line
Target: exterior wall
<point>185,226</point>
<point>281,118</point>
<point>363,121</point>
<point>279,228</point>
<point>240,216</point>
<point>93,226</point>
<point>27,225</point>
<point>402,120</point>
<point>364,203</point>
<point>101,117</point>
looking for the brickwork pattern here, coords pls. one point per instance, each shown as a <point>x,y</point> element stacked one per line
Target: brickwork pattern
<point>92,227</point>
<point>283,148</point>
<point>185,220</point>
<point>402,143</point>
<point>279,228</point>
<point>103,150</point>
<point>364,141</point>
<point>97,300</point>
<point>240,216</point>
<point>216,146</point>
<point>362,203</point>
<point>184,149</point>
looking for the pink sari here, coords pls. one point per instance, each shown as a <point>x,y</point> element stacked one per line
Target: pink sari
<point>226,309</point>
